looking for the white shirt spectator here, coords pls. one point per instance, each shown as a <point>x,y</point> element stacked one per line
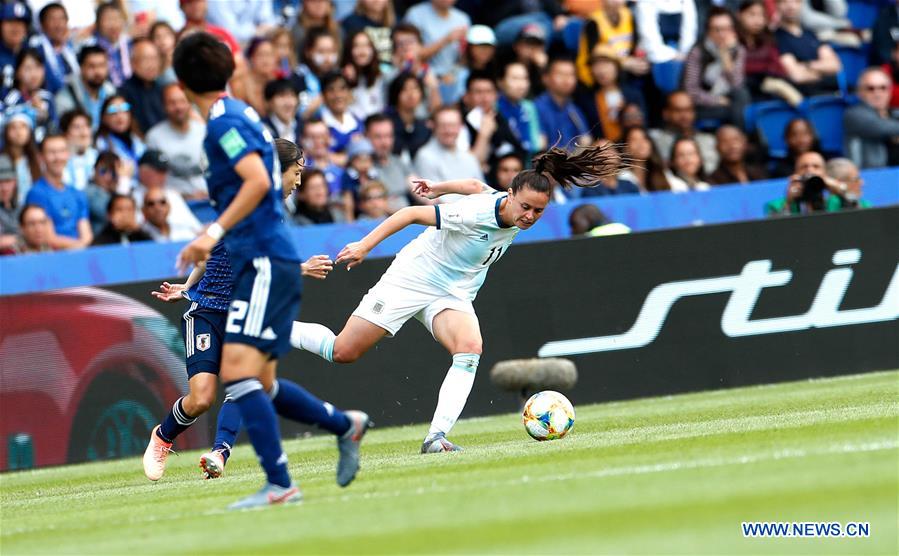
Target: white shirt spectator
<point>648,12</point>
<point>184,225</point>
<point>242,18</point>
<point>433,27</point>
<point>184,151</point>
<point>435,162</point>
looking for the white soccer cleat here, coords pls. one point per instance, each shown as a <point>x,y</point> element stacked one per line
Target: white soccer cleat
<point>269,495</point>
<point>155,456</point>
<point>213,464</point>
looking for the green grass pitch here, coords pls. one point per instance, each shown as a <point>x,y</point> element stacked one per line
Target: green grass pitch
<point>673,475</point>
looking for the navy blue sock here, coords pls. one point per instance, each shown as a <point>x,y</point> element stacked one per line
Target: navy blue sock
<point>226,428</point>
<point>259,418</point>
<point>294,402</point>
<point>176,422</point>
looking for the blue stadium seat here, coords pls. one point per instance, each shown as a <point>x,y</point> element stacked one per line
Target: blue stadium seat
<point>771,118</point>
<point>863,13</point>
<point>854,61</point>
<point>667,75</point>
<point>571,34</point>
<point>826,114</point>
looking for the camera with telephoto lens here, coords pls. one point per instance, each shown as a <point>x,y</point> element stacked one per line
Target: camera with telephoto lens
<point>812,189</point>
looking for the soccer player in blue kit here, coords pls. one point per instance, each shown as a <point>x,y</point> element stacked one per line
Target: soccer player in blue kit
<point>244,181</point>
<point>208,288</point>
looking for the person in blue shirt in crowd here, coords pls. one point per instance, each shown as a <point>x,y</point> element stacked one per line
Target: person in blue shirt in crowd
<point>53,42</point>
<point>561,120</point>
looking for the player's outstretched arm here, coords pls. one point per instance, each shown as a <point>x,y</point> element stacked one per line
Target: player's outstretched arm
<point>317,266</point>
<point>431,190</point>
<point>354,253</point>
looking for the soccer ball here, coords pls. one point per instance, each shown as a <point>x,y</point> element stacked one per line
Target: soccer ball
<point>548,415</point>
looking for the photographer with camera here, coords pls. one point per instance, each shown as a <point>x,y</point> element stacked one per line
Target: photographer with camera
<point>811,189</point>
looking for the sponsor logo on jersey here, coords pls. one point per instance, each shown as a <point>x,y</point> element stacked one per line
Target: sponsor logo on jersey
<point>204,341</point>
<point>745,289</point>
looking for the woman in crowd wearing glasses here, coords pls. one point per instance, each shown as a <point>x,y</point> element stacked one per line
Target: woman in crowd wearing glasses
<point>115,133</point>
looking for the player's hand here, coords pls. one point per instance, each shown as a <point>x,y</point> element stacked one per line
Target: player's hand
<point>353,254</point>
<point>169,292</point>
<point>195,252</point>
<point>426,188</point>
<point>317,266</point>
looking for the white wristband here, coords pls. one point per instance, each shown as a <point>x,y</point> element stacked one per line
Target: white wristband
<point>215,231</point>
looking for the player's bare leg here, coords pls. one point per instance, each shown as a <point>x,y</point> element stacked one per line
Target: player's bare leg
<point>357,337</point>
<point>460,333</point>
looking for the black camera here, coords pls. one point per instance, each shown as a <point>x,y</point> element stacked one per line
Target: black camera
<point>812,189</point>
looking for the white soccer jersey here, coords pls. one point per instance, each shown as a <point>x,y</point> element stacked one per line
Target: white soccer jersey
<point>454,256</point>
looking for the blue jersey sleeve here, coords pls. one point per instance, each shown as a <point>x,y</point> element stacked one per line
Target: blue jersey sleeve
<point>235,138</point>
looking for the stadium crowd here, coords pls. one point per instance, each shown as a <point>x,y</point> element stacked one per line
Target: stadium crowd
<point>100,145</point>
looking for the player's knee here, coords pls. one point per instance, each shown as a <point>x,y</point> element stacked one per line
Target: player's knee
<point>470,346</point>
<point>345,352</point>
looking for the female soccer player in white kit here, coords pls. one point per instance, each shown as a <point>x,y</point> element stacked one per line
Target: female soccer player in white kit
<point>436,276</point>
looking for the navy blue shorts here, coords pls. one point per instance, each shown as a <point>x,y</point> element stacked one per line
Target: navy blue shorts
<point>203,331</point>
<point>264,303</point>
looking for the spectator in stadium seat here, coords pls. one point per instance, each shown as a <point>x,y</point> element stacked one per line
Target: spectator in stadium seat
<point>871,134</point>
<point>529,48</point>
<point>685,171</point>
<point>588,220</point>
<point>9,204</point>
<point>262,68</point>
<point>195,16</point>
<point>612,25</point>
<point>153,176</point>
<point>342,124</point>
<point>885,33</point>
<point>826,18</point>
<point>312,205</point>
<point>479,57</point>
<point>443,29</point>
<point>376,18</point>
<point>835,194</point>
<point>320,57</point>
<point>28,90</point>
<point>121,223</point>
<point>55,46</point>
<point>359,173</point>
<point>486,130</point>
<point>363,71</point>
<point>732,148</point>
<point>404,97</point>
<point>507,167</point>
<point>15,20</point>
<point>107,179</point>
<point>511,16</point>
<point>667,28</point>
<point>765,75</point>
<point>892,69</point>
<point>88,88</point>
<point>111,36</point>
<point>180,138</point>
<point>155,212</point>
<point>18,143</point>
<point>518,110</point>
<point>394,171</point>
<point>603,103</point>
<point>314,14</point>
<point>407,58</point>
<point>373,205</point>
<point>164,37</point>
<point>560,119</point>
<point>115,132</point>
<point>810,65</point>
<point>317,147</point>
<point>441,158</point>
<point>800,137</point>
<point>679,117</point>
<point>632,114</point>
<point>648,169</point>
<point>282,105</point>
<point>36,233</point>
<point>76,126</point>
<point>245,19</point>
<point>285,51</point>
<point>143,90</point>
<point>714,71</point>
<point>65,205</point>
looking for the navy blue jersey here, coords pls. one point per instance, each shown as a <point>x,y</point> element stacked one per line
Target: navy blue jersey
<point>234,131</point>
<point>213,291</point>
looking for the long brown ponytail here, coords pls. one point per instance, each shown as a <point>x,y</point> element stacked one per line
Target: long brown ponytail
<point>583,168</point>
